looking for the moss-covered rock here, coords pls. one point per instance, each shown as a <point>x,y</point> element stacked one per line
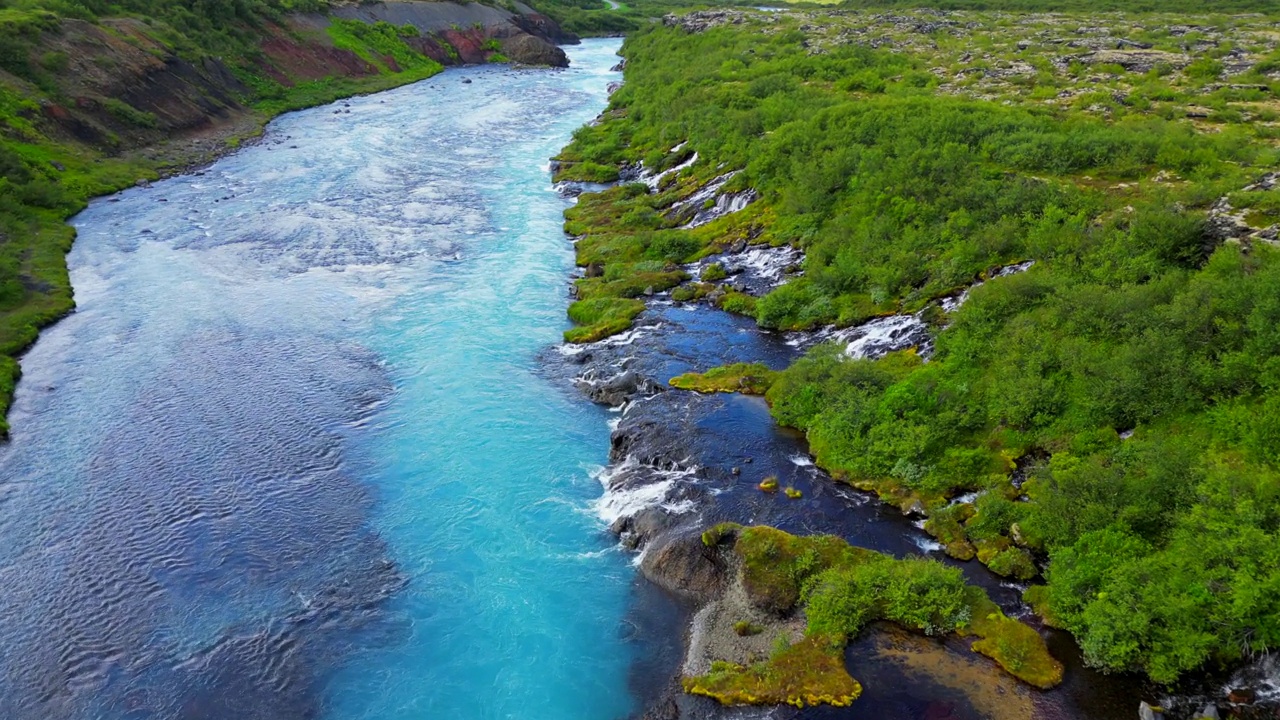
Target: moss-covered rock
<point>841,588</point>
<point>810,672</point>
<point>749,378</point>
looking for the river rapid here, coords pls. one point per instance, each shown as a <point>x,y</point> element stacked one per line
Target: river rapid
<point>292,457</point>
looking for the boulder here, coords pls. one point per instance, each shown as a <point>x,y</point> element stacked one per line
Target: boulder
<point>685,566</point>
<point>638,530</point>
<point>1147,712</point>
<point>619,389</point>
<point>530,50</point>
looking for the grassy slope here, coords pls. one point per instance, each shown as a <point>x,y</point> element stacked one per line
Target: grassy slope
<point>910,156</point>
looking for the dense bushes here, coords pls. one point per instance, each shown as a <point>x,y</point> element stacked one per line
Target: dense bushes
<point>1158,545</point>
<point>915,593</point>
<point>1135,322</point>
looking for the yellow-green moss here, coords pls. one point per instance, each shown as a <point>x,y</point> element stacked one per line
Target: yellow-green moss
<point>946,525</point>
<point>717,533</point>
<point>749,378</point>
<point>780,570</point>
<point>601,317</point>
<point>585,172</point>
<point>775,563</point>
<point>1015,646</point>
<point>810,672</point>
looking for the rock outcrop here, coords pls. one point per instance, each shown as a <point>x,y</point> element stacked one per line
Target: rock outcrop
<point>531,50</point>
<point>684,565</point>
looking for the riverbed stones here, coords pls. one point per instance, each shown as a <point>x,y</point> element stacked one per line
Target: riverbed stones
<point>1242,696</point>
<point>639,529</point>
<point>713,635</point>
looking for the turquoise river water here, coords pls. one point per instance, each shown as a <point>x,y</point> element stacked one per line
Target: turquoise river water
<point>293,458</point>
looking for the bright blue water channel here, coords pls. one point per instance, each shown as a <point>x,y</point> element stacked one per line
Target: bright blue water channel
<point>293,458</point>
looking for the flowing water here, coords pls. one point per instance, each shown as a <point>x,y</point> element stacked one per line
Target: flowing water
<point>292,458</point>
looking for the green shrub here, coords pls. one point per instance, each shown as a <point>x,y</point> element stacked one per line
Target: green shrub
<point>128,113</point>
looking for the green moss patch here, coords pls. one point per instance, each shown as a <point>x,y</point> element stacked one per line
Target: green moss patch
<point>842,589</point>
<point>810,672</point>
<point>748,378</point>
<point>601,317</point>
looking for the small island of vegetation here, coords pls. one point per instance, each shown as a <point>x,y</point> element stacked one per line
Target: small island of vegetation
<point>841,589</point>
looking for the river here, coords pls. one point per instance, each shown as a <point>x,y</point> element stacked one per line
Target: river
<point>292,456</point>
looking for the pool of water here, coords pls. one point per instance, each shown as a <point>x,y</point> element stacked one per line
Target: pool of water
<point>293,458</point>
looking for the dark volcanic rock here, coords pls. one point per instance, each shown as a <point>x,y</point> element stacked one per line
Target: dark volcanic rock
<point>684,565</point>
<point>663,709</point>
<point>618,389</point>
<point>636,531</point>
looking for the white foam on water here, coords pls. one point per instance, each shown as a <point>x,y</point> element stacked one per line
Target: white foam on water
<point>882,336</point>
<point>927,545</point>
<point>756,264</point>
<point>654,180</point>
<point>638,558</point>
<point>724,205</point>
<point>624,338</point>
<point>801,460</point>
<point>1262,675</point>
<point>704,193</point>
<point>950,304</point>
<point>680,507</point>
<point>617,503</point>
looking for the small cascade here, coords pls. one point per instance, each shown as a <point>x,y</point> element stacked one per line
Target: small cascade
<point>881,336</point>
<point>631,487</point>
<point>949,304</point>
<point>695,201</point>
<point>653,181</point>
<point>726,204</point>
<point>1261,677</point>
<point>753,269</point>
